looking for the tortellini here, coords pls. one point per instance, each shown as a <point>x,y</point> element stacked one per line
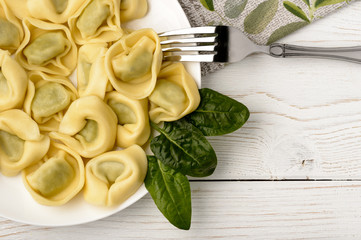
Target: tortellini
<point>13,82</point>
<point>18,8</point>
<point>113,177</point>
<point>133,123</point>
<point>57,178</point>
<point>11,30</point>
<point>92,78</point>
<point>21,143</point>
<point>47,47</point>
<point>88,127</point>
<point>56,11</point>
<point>132,9</point>
<point>120,86</point>
<point>96,21</point>
<point>48,98</point>
<point>175,95</point>
<point>133,63</point>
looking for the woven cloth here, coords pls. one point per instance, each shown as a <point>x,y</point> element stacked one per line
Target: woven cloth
<point>262,21</point>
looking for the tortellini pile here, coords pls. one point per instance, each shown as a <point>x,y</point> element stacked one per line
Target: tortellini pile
<point>87,135</point>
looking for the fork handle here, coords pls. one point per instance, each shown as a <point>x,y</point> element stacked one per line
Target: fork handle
<point>351,54</point>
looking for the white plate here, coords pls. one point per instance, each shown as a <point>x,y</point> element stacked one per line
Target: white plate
<point>16,203</point>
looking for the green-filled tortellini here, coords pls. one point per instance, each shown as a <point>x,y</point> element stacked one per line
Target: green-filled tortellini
<point>133,63</point>
<point>92,78</point>
<point>47,47</point>
<point>132,9</point>
<point>175,95</point>
<point>113,177</point>
<point>13,82</point>
<point>57,178</point>
<point>11,30</point>
<point>21,143</point>
<point>96,21</point>
<point>133,122</point>
<point>88,127</point>
<point>56,11</point>
<point>18,7</point>
<point>48,98</point>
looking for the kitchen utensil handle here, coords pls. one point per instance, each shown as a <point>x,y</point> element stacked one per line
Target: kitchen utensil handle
<point>351,54</point>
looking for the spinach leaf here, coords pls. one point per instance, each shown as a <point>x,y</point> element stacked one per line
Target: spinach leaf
<point>218,114</point>
<point>171,193</point>
<point>183,147</point>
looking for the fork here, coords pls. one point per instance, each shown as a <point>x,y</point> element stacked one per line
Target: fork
<point>228,44</point>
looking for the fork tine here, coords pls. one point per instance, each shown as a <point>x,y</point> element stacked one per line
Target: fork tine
<point>190,58</point>
<point>210,48</point>
<point>189,40</point>
<point>189,31</point>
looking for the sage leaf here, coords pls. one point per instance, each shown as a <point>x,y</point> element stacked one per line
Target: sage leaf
<point>218,114</point>
<point>208,4</point>
<point>234,8</point>
<point>260,17</point>
<point>295,10</point>
<point>285,30</point>
<point>184,148</point>
<point>322,3</point>
<point>171,193</point>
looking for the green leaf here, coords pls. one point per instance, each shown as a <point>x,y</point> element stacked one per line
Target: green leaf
<point>183,147</point>
<point>218,114</point>
<point>260,17</point>
<point>171,193</point>
<point>208,4</point>
<point>322,3</point>
<point>285,30</point>
<point>295,10</point>
<point>307,2</point>
<point>234,8</point>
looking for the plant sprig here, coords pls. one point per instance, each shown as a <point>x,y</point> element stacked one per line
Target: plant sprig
<point>312,8</point>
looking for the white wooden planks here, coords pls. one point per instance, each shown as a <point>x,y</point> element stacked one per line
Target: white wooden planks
<point>228,210</point>
<point>305,113</point>
<point>305,123</point>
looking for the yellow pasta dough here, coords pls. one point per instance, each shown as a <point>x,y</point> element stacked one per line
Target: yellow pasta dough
<point>175,95</point>
<point>21,143</point>
<point>48,98</point>
<point>13,82</point>
<point>11,30</point>
<point>18,8</point>
<point>133,63</point>
<point>92,78</point>
<point>56,11</point>
<point>96,21</point>
<point>57,178</point>
<point>133,123</point>
<point>132,9</point>
<point>113,177</point>
<point>89,120</point>
<point>88,127</point>
<point>47,47</point>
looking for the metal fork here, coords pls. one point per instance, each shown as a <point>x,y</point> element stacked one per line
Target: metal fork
<point>228,44</point>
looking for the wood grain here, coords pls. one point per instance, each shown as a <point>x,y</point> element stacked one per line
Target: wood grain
<point>232,210</point>
<point>305,113</point>
<point>305,124</point>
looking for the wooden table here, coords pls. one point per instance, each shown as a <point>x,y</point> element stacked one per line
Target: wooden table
<point>292,172</point>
